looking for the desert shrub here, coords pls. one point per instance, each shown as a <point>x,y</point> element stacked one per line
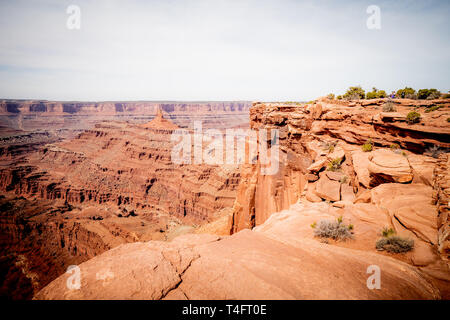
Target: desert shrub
<point>434,151</point>
<point>371,95</point>
<point>375,93</point>
<point>448,119</point>
<point>411,96</point>
<point>313,225</point>
<point>446,96</point>
<point>434,95</point>
<point>389,107</point>
<point>329,145</point>
<point>428,94</point>
<point>330,96</point>
<point>368,146</point>
<point>395,244</point>
<point>333,229</point>
<point>413,117</point>
<point>339,97</point>
<point>394,146</point>
<point>433,108</point>
<point>401,93</point>
<point>387,232</point>
<point>335,164</point>
<point>355,93</point>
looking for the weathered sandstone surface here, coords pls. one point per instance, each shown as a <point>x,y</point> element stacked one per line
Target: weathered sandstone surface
<point>402,183</point>
<point>278,260</point>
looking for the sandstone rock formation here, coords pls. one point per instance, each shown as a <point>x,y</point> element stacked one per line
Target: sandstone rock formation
<point>313,135</point>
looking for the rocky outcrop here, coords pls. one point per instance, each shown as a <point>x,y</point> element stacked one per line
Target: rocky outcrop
<point>393,177</point>
<point>313,135</point>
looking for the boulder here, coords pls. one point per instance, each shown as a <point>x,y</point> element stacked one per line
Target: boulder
<point>388,166</point>
<point>311,193</point>
<point>361,162</point>
<point>347,193</point>
<point>328,189</point>
<point>317,165</point>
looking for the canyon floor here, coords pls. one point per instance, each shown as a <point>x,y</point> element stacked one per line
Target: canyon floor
<point>108,199</point>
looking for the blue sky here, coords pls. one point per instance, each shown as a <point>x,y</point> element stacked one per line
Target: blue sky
<point>219,50</point>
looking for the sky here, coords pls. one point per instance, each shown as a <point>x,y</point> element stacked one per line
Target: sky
<point>265,50</point>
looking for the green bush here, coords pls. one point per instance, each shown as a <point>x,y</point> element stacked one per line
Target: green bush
<point>387,232</point>
<point>413,117</point>
<point>446,96</point>
<point>371,95</point>
<point>334,229</point>
<point>393,243</point>
<point>355,93</point>
<point>448,119</point>
<point>375,93</point>
<point>428,94</point>
<point>394,146</point>
<point>368,146</point>
<point>335,164</point>
<point>433,108</point>
<point>405,93</point>
<point>330,96</point>
<point>339,97</point>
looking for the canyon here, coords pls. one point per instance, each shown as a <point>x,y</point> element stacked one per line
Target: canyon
<point>110,200</point>
<point>69,194</point>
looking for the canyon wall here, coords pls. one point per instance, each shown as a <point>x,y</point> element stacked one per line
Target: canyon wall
<point>67,201</point>
<point>66,119</point>
<point>118,107</point>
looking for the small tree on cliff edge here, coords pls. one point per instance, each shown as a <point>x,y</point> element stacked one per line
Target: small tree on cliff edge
<point>408,93</point>
<point>375,93</point>
<point>355,93</point>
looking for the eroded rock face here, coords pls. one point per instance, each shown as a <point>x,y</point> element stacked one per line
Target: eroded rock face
<point>126,165</point>
<point>312,136</point>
